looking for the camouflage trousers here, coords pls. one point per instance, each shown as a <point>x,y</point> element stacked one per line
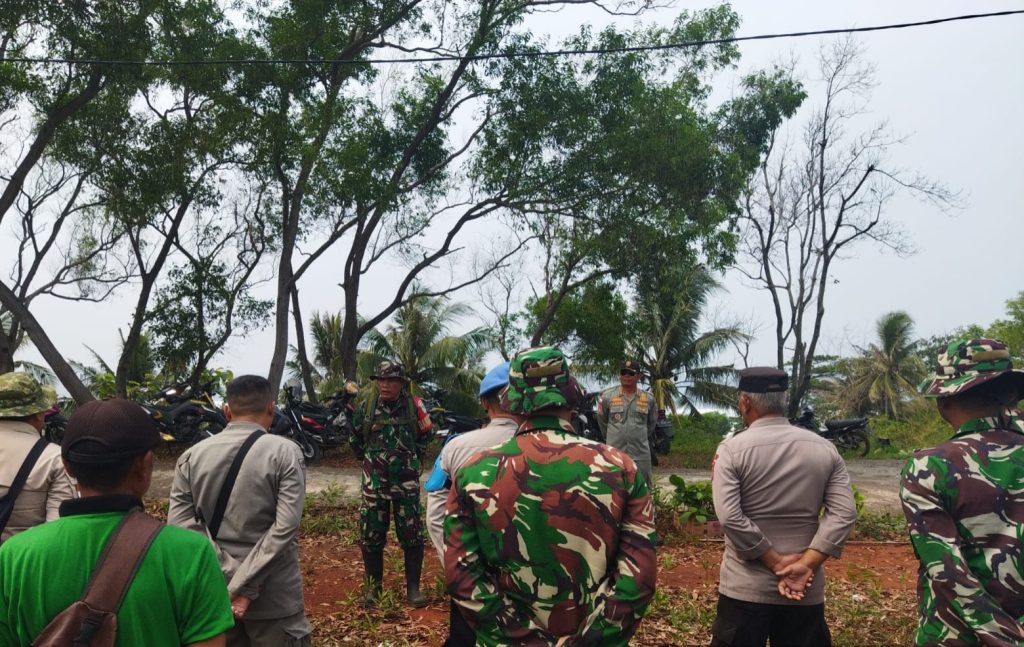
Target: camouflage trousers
<point>375,513</point>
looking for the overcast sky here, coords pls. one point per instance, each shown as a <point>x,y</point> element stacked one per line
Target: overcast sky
<point>956,90</point>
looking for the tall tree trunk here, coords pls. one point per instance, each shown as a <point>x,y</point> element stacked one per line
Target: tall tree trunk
<point>350,334</point>
<point>6,354</point>
<point>131,341</point>
<point>58,365</point>
<point>300,345</point>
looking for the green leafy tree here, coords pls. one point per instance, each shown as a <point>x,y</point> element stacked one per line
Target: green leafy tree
<point>198,310</point>
<point>619,162</point>
<point>589,326</point>
<point>420,338</point>
<point>883,380</point>
<point>43,105</point>
<point>1011,329</point>
<point>671,345</point>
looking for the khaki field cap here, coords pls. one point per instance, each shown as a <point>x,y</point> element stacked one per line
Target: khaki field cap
<point>21,395</point>
<point>967,363</point>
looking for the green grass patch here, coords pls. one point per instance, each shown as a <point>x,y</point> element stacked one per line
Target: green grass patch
<point>922,427</point>
<point>880,526</point>
<point>330,512</point>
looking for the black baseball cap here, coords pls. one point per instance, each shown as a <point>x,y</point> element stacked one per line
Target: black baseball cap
<point>630,366</point>
<point>108,431</point>
<point>763,379</point>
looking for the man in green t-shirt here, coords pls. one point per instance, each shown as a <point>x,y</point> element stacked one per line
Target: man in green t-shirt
<point>177,597</point>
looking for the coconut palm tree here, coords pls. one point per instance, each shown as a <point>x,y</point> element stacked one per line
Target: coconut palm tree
<point>420,339</point>
<point>885,377</point>
<point>676,352</point>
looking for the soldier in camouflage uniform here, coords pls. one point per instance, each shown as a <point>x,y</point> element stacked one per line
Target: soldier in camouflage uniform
<point>964,502</point>
<point>549,537</point>
<point>391,431</point>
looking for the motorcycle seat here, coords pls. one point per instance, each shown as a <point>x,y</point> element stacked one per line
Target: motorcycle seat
<point>833,425</point>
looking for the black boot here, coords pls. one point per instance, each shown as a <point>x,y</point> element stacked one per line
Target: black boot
<point>373,563</point>
<point>413,568</point>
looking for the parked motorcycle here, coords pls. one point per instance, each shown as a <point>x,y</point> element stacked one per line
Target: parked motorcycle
<point>184,416</point>
<point>661,437</point>
<point>448,423</point>
<point>849,436</point>
<point>54,424</point>
<point>584,417</point>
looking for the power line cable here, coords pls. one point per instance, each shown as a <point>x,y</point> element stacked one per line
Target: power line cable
<point>523,54</point>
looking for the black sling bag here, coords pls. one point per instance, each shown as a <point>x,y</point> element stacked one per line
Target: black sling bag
<point>7,500</point>
<point>229,483</point>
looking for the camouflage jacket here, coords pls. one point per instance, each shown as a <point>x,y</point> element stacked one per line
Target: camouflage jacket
<point>964,502</point>
<point>550,535</point>
<point>391,438</point>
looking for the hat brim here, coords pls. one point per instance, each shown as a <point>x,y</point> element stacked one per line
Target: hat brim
<point>943,388</point>
<point>46,399</point>
<point>390,377</point>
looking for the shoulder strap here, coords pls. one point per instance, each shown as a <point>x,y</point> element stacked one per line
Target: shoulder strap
<point>414,414</point>
<point>368,412</point>
<point>120,560</point>
<point>229,483</point>
<point>19,481</point>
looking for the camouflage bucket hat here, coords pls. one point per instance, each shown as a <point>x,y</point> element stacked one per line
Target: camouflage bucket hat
<point>21,395</point>
<point>393,370</point>
<point>538,378</point>
<point>967,363</point>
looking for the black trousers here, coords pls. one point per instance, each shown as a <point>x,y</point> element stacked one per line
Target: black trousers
<point>751,624</point>
<point>460,633</point>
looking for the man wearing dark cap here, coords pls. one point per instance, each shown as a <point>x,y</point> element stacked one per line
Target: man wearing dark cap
<point>177,597</point>
<point>391,434</point>
<point>23,406</point>
<point>964,502</point>
<point>627,416</point>
<point>257,538</point>
<point>783,497</point>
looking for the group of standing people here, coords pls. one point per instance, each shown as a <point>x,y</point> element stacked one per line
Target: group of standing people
<point>546,538</point>
<point>223,571</point>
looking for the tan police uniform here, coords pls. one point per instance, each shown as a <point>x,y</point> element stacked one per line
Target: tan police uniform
<point>627,424</point>
<point>48,485</point>
<point>770,482</point>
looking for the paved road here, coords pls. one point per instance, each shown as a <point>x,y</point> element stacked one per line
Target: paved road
<point>877,480</point>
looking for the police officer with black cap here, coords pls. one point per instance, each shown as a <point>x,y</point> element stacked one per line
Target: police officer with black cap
<point>783,497</point>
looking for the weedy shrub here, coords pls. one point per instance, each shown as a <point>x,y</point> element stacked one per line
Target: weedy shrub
<point>693,501</point>
<point>922,427</point>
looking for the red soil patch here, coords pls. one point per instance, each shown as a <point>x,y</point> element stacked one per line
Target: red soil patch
<point>333,573</point>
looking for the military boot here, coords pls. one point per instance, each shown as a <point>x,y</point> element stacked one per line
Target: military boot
<point>413,568</point>
<point>373,563</point>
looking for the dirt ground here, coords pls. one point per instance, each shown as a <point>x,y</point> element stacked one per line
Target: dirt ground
<point>332,571</point>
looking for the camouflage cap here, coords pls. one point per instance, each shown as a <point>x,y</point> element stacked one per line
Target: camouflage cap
<point>538,378</point>
<point>967,363</point>
<point>21,395</point>
<point>392,370</point>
